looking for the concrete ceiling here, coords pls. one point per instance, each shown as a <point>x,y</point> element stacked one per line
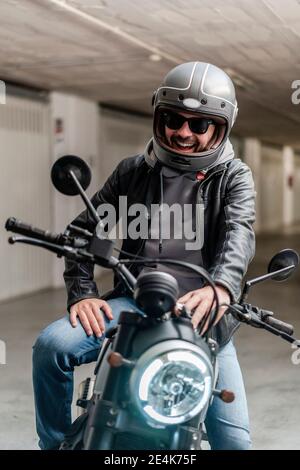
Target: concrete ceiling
<point>101,49</point>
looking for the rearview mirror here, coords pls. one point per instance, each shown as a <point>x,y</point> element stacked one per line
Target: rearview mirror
<point>61,174</point>
<point>285,261</point>
<point>282,260</point>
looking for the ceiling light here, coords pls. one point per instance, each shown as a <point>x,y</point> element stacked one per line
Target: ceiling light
<point>155,57</point>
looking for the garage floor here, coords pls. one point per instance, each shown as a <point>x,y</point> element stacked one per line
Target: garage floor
<point>272,380</point>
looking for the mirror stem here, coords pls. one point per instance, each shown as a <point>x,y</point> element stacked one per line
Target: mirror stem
<point>256,280</point>
<point>85,198</point>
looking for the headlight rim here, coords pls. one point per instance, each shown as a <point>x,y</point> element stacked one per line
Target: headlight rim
<point>153,353</point>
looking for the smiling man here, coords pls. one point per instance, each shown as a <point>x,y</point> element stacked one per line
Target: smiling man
<point>190,162</point>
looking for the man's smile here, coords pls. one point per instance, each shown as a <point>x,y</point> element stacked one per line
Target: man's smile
<point>182,146</point>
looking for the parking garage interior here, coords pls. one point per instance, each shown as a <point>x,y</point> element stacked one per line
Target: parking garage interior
<point>77,78</point>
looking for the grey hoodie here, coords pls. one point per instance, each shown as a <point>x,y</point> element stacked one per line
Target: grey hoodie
<point>181,188</point>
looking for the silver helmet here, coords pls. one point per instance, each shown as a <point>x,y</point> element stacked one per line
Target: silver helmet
<point>201,90</point>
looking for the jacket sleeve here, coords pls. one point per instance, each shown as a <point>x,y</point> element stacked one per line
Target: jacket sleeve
<point>79,277</point>
<point>236,242</point>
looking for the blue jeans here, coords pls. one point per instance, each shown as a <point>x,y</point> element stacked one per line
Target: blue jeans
<point>60,347</point>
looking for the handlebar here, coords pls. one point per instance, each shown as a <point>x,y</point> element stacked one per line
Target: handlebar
<point>17,226</point>
<point>99,252</point>
<point>61,239</point>
<point>260,318</point>
<point>268,318</point>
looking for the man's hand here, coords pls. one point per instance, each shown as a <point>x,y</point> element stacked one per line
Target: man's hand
<point>88,312</point>
<point>199,301</point>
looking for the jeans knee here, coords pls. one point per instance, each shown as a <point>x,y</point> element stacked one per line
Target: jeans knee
<point>50,346</point>
<point>239,440</point>
<point>43,351</point>
<point>244,444</point>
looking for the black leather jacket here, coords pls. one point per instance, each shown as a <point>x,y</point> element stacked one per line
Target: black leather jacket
<point>228,195</point>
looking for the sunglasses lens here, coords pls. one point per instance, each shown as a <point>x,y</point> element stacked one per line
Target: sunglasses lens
<point>199,126</point>
<point>172,120</point>
<point>175,121</point>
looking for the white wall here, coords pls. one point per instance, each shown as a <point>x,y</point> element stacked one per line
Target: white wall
<point>79,136</point>
<point>121,135</point>
<point>271,188</point>
<point>288,185</point>
<point>276,172</point>
<point>25,192</point>
<point>30,144</point>
<point>297,188</point>
<point>252,156</point>
<point>102,138</point>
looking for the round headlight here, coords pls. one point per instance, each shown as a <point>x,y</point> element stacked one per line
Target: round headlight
<point>174,386</point>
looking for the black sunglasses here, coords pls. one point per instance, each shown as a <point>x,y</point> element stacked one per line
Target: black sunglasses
<point>175,121</point>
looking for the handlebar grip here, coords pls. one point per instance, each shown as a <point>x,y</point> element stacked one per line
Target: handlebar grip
<point>278,324</point>
<point>17,226</point>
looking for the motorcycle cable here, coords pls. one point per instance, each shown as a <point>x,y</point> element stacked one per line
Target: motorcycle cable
<point>212,315</point>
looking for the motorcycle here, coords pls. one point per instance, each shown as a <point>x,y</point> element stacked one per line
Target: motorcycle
<point>155,376</point>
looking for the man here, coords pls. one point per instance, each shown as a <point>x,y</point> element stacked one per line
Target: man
<point>189,161</point>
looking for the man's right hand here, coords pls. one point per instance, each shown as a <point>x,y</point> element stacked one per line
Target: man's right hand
<point>90,316</point>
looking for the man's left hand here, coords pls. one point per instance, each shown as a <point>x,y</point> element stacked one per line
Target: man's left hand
<point>199,302</point>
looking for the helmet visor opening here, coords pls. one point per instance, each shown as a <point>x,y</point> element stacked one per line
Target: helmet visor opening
<point>185,132</point>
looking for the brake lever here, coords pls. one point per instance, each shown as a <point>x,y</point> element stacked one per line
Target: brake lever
<point>80,231</point>
<point>247,315</point>
<point>66,251</point>
<point>187,313</point>
<point>183,311</point>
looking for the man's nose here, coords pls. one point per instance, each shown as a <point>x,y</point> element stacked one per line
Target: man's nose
<point>185,130</point>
